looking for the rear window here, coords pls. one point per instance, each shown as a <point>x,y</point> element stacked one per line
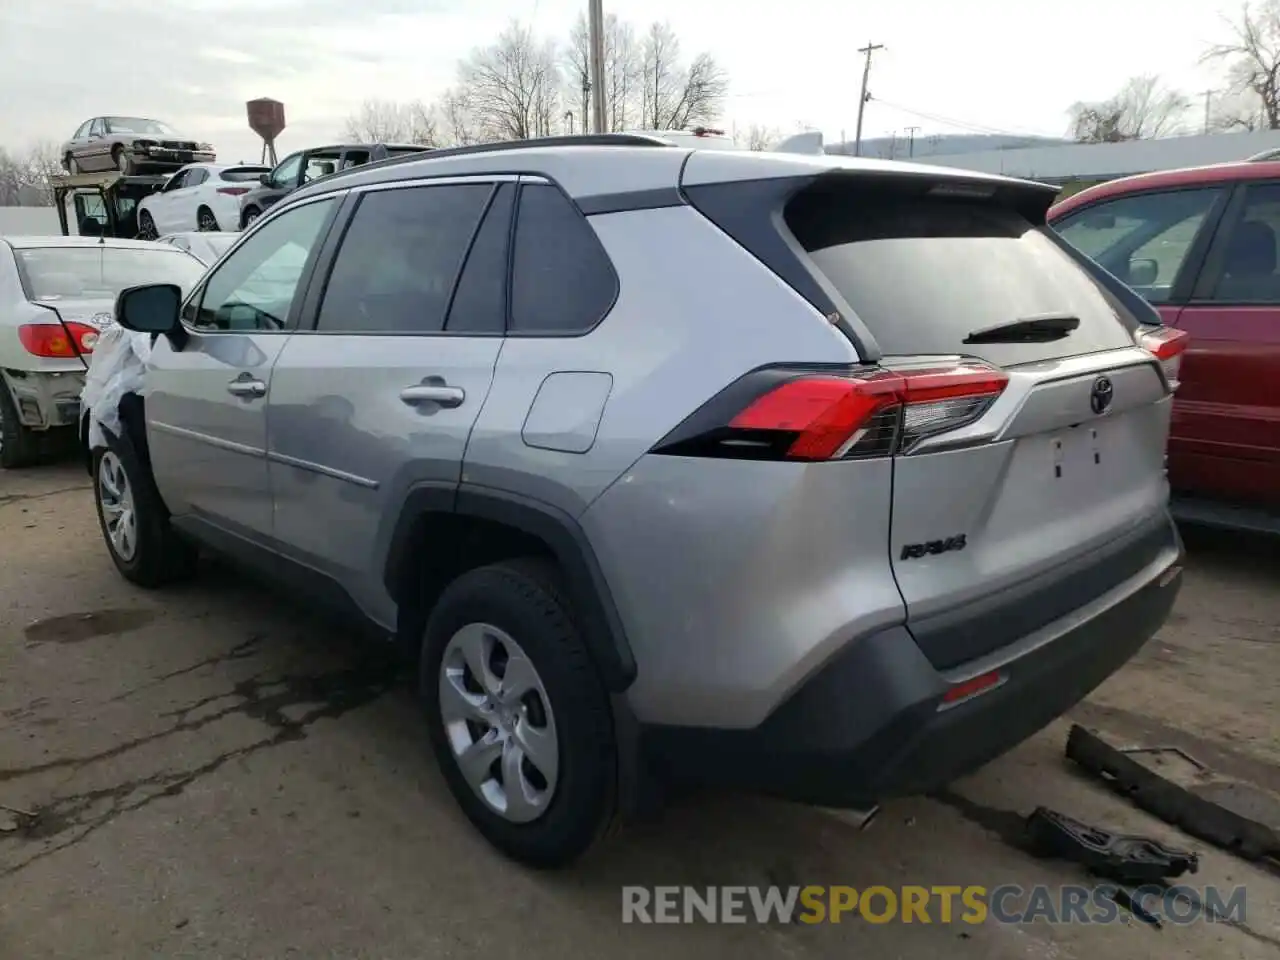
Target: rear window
<point>101,272</point>
<point>243,174</point>
<point>923,273</point>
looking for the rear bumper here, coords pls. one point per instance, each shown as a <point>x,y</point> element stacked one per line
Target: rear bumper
<point>872,724</point>
<point>45,400</point>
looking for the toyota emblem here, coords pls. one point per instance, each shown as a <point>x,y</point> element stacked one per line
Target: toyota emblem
<point>1101,395</point>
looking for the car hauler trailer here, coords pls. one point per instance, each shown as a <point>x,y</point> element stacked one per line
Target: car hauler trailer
<point>101,204</point>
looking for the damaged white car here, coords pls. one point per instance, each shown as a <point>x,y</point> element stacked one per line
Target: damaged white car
<point>57,295</point>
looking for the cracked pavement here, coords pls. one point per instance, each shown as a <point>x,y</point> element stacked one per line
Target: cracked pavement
<point>216,771</point>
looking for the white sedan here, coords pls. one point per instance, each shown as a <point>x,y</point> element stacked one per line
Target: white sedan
<point>200,196</point>
<point>56,295</point>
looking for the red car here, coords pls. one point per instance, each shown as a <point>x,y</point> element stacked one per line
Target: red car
<point>1201,246</point>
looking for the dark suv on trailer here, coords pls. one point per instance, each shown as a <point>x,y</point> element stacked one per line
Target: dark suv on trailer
<point>307,165</point>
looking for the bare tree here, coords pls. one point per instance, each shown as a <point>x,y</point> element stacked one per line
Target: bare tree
<point>24,177</point>
<point>386,121</point>
<point>1143,109</point>
<point>1252,58</point>
<point>457,123</point>
<point>761,137</point>
<point>622,72</point>
<point>675,96</point>
<point>512,87</point>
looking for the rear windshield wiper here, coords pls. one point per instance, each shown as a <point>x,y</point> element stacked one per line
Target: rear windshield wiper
<point>1042,329</point>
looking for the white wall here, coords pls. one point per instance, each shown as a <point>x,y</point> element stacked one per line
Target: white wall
<point>29,221</point>
<point>1086,160</point>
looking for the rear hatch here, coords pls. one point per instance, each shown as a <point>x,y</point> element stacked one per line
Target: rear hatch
<point>1031,407</point>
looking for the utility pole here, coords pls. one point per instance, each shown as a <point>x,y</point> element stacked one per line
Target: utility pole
<point>595,20</point>
<point>1208,98</point>
<point>911,141</point>
<point>867,51</point>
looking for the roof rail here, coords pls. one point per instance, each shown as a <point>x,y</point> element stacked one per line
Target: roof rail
<point>576,140</point>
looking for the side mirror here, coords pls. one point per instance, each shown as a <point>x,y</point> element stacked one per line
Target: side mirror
<point>1143,273</point>
<point>152,308</point>
<point>264,178</point>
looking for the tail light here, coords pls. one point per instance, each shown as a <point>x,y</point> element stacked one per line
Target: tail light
<point>788,415</point>
<point>1168,345</point>
<point>58,341</point>
<point>233,191</point>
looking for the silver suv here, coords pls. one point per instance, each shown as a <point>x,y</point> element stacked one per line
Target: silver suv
<point>826,478</point>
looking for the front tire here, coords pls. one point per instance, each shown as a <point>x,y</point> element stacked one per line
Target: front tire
<point>517,714</point>
<point>19,446</point>
<point>147,227</point>
<point>135,524</point>
<point>123,162</point>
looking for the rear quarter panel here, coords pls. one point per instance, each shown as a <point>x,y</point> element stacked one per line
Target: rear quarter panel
<point>694,312</point>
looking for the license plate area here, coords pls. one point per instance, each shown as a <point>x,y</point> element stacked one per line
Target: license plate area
<point>1078,454</point>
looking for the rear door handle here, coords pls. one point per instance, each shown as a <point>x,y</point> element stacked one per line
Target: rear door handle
<point>246,386</point>
<point>433,393</point>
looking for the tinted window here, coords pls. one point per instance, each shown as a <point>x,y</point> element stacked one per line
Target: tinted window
<point>399,259</point>
<point>480,302</point>
<point>243,174</point>
<point>1142,239</point>
<point>59,273</point>
<point>924,273</point>
<point>1247,269</point>
<point>562,280</point>
<point>195,175</point>
<point>254,288</point>
<point>286,174</point>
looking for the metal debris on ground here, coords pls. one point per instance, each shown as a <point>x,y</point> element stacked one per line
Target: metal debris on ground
<point>1122,858</point>
<point>1175,804</point>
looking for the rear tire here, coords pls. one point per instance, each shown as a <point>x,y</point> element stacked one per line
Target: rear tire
<point>206,222</point>
<point>70,163</point>
<point>134,522</point>
<point>250,214</point>
<point>552,723</point>
<point>147,227</point>
<point>19,446</point>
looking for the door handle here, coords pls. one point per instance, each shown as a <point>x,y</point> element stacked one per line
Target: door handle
<point>246,386</point>
<point>433,393</point>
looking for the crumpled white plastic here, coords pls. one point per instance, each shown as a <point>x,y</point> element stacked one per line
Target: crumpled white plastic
<point>118,366</point>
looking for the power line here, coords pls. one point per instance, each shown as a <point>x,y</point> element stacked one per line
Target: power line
<point>959,124</point>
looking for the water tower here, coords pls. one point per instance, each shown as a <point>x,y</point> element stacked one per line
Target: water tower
<point>266,119</point>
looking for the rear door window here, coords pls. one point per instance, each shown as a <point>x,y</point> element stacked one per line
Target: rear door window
<point>562,280</point>
<point>924,273</point>
<point>1143,239</point>
<point>1245,269</point>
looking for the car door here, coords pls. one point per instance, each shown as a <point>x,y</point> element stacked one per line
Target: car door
<point>95,154</point>
<point>206,403</point>
<point>1157,242</point>
<point>161,203</point>
<point>382,394</point>
<point>180,209</point>
<point>1226,442</point>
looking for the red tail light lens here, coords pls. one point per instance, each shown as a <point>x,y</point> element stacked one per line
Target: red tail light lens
<point>51,339</point>
<point>776,415</point>
<point>233,191</point>
<point>1168,345</point>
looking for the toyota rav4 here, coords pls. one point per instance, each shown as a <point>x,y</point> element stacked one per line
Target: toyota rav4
<point>822,477</point>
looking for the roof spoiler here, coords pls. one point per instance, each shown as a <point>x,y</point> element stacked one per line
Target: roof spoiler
<point>809,142</point>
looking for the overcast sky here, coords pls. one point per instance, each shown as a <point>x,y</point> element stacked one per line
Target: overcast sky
<point>979,66</point>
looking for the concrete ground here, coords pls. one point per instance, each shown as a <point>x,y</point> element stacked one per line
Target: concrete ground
<point>217,772</point>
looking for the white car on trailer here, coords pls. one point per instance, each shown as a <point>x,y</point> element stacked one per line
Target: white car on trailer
<point>200,196</point>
